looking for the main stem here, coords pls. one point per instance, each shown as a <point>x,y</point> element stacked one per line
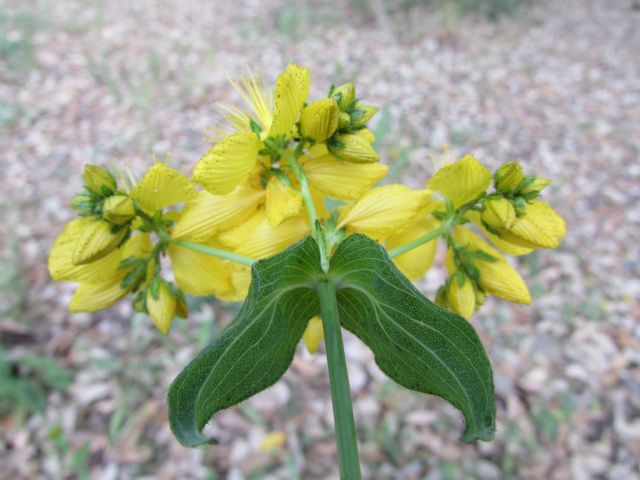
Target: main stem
<point>340,393</point>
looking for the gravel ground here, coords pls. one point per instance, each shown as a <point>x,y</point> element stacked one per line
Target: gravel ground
<point>114,83</point>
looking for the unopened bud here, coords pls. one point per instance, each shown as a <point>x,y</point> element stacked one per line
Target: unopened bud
<point>83,204</point>
<point>343,120</point>
<point>118,209</point>
<point>537,185</point>
<point>508,176</point>
<point>96,241</point>
<point>161,307</point>
<point>345,95</point>
<point>362,113</point>
<point>499,213</point>
<point>319,120</point>
<point>353,148</point>
<point>98,180</point>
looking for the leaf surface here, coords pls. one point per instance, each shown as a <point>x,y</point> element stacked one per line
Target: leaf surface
<point>416,343</point>
<point>255,350</point>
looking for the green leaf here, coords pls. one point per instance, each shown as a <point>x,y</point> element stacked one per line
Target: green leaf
<point>255,350</point>
<point>418,344</point>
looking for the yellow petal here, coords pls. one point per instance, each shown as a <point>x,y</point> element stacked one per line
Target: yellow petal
<point>62,268</point>
<point>499,213</point>
<point>208,214</point>
<point>267,240</point>
<point>161,187</point>
<point>503,245</point>
<point>161,309</point>
<point>383,211</point>
<point>235,237</point>
<point>198,273</point>
<point>95,241</point>
<point>539,227</point>
<point>355,148</point>
<point>100,288</point>
<point>90,297</point>
<point>319,120</point>
<point>461,298</point>
<point>292,90</point>
<point>313,334</point>
<point>343,180</point>
<point>273,441</point>
<point>228,163</point>
<point>240,279</point>
<point>282,201</point>
<point>416,262</point>
<point>367,135</point>
<point>462,181</point>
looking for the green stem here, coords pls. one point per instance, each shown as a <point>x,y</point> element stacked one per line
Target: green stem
<point>340,393</point>
<point>292,160</point>
<point>198,247</point>
<point>442,230</point>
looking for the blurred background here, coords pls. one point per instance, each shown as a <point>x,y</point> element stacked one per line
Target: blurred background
<point>553,84</point>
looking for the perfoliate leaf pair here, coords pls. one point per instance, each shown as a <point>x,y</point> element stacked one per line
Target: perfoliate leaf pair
<point>416,343</point>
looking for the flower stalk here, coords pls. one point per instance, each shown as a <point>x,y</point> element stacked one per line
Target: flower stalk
<point>340,393</point>
<point>216,252</point>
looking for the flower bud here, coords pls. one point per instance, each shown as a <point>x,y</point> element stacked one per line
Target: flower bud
<point>537,185</point>
<point>313,334</point>
<point>83,204</point>
<point>319,120</point>
<point>540,227</point>
<point>96,241</point>
<point>461,297</point>
<point>362,113</point>
<point>98,180</point>
<point>343,120</point>
<point>345,95</point>
<point>353,148</point>
<point>118,209</point>
<point>499,213</point>
<point>508,176</point>
<point>161,307</point>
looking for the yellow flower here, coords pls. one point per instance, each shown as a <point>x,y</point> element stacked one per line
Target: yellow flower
<point>98,180</point>
<point>461,182</point>
<point>319,120</point>
<point>313,334</point>
<point>417,261</point>
<point>539,227</point>
<point>499,213</point>
<point>207,214</point>
<point>96,240</point>
<point>354,148</point>
<point>161,187</point>
<point>508,176</point>
<point>342,180</point>
<point>229,162</point>
<point>118,209</point>
<point>100,282</point>
<point>383,211</point>
<point>282,201</point>
<point>161,307</point>
<point>496,277</point>
<point>273,441</point>
<point>461,297</point>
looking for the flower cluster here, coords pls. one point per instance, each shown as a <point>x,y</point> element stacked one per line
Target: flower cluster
<point>265,183</point>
